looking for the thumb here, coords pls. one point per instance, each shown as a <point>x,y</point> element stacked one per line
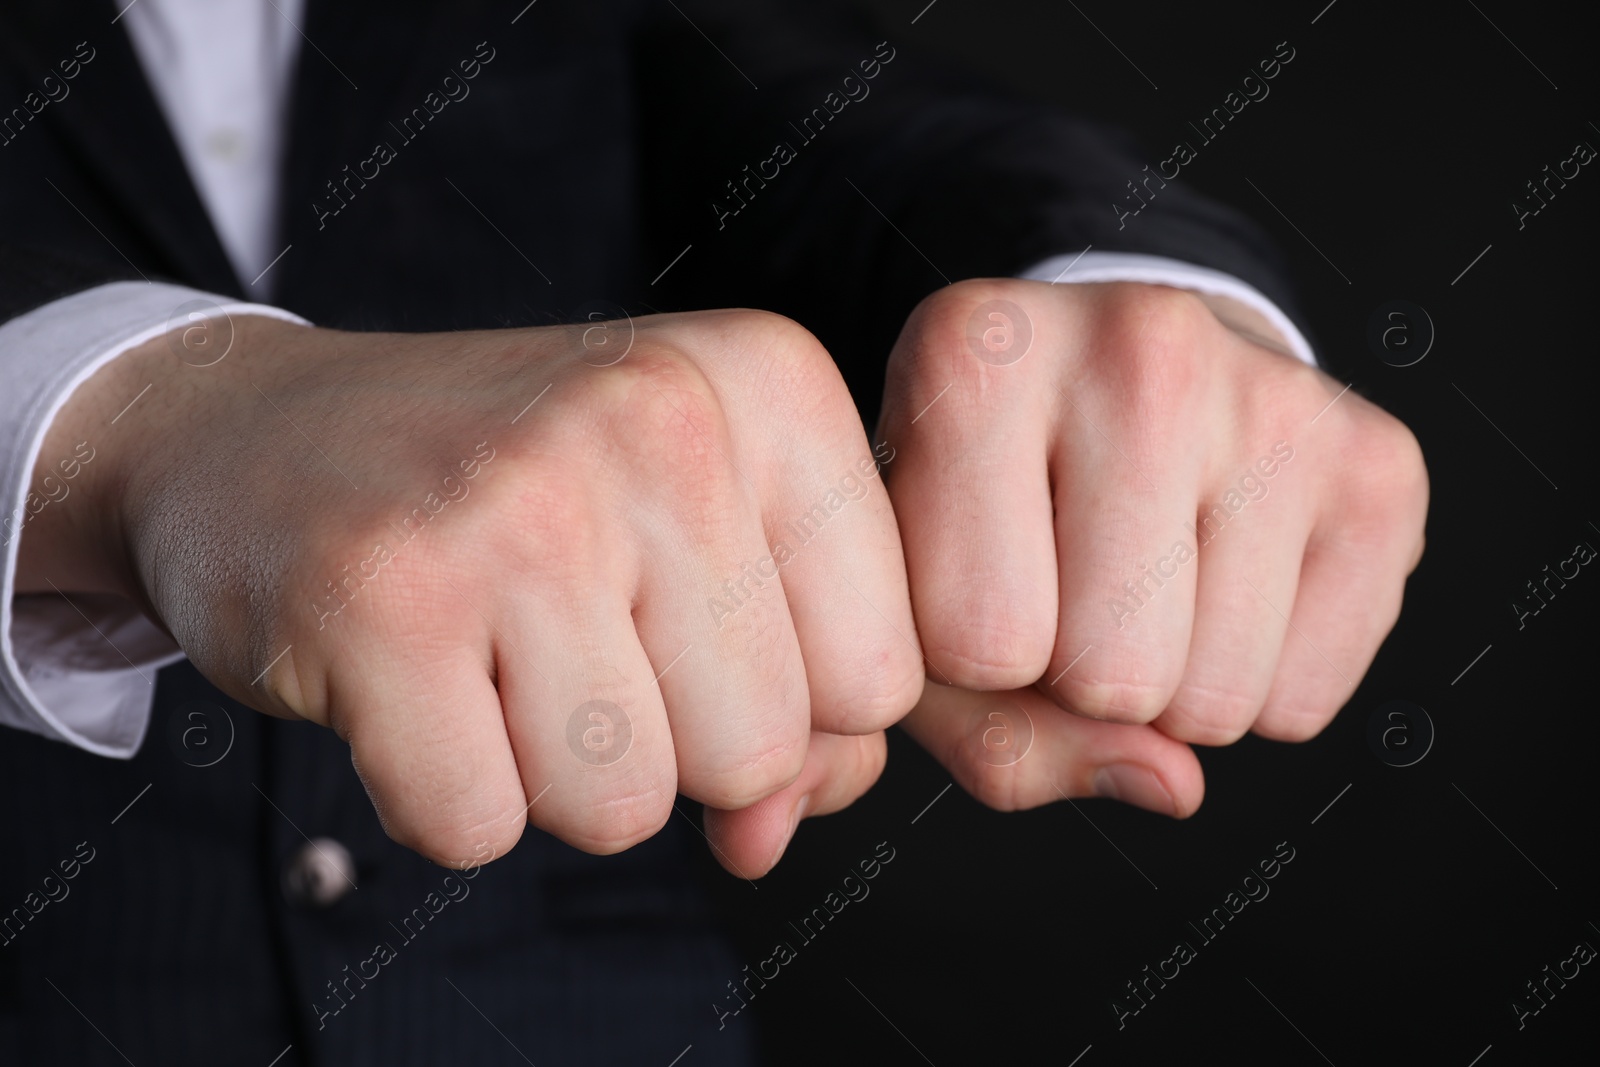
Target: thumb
<point>1016,750</point>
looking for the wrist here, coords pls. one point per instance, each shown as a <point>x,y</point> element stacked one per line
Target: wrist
<point>108,443</point>
<point>69,534</point>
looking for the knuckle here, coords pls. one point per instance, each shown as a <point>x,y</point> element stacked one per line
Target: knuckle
<point>988,649</point>
<point>616,822</point>
<point>1403,465</point>
<point>662,430</point>
<point>872,756</point>
<point>1151,335</point>
<point>1123,702</point>
<point>443,819</point>
<point>767,330</point>
<point>663,401</point>
<point>753,775</point>
<point>1386,468</point>
<point>999,788</point>
<point>945,311</point>
<point>761,340</point>
<point>543,529</point>
<point>1204,716</point>
<point>1291,726</point>
<point>994,662</point>
<point>892,684</point>
<point>348,556</point>
<point>793,370</point>
<point>744,328</point>
<point>452,842</point>
<point>936,353</point>
<point>1278,392</point>
<point>758,643</point>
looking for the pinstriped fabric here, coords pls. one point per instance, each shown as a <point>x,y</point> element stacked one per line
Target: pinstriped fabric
<point>175,945</point>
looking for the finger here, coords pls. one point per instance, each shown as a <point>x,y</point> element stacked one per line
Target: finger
<point>831,538</point>
<point>585,718</point>
<point>838,770</point>
<point>726,659</point>
<point>1364,543</point>
<point>734,687</point>
<point>971,489</point>
<point>1127,600</point>
<point>1249,561</point>
<point>1347,602</point>
<point>836,549</point>
<point>1128,566</point>
<point>429,743</point>
<point>1016,750</point>
<point>1341,612</point>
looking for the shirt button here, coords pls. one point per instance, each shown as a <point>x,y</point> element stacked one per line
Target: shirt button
<point>319,873</point>
<point>224,144</point>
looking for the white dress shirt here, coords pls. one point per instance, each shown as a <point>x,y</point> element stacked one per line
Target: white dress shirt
<point>220,70</point>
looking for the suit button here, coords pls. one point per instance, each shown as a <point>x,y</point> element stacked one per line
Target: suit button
<point>224,145</point>
<point>319,873</point>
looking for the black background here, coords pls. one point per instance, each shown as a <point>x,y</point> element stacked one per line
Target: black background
<point>1419,903</point>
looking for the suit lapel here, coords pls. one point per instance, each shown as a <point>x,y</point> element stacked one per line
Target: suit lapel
<point>344,94</point>
<point>115,127</point>
<point>357,58</point>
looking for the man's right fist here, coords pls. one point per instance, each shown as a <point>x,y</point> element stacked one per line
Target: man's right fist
<point>550,572</point>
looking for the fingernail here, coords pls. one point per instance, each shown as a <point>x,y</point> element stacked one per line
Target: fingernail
<point>1136,785</point>
<point>800,808</point>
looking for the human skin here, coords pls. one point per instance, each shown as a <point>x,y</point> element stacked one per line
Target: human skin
<point>1033,491</point>
<point>616,507</point>
<point>587,513</point>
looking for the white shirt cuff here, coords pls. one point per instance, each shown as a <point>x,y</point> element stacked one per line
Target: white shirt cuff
<point>87,679</point>
<point>1093,266</point>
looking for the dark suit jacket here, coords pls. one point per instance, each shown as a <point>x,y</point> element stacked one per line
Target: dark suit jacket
<point>598,144</point>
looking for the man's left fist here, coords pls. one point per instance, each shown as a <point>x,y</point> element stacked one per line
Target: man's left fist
<point>1115,507</point>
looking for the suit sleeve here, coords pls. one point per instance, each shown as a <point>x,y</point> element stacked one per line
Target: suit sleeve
<point>820,168</point>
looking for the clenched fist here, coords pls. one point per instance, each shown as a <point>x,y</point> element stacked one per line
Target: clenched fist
<point>551,575</point>
<point>1115,507</point>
